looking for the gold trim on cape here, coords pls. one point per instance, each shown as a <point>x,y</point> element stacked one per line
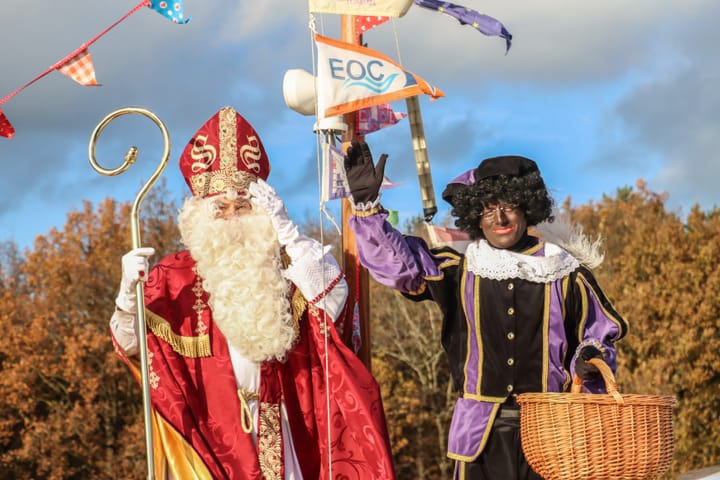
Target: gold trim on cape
<point>298,304</point>
<point>270,441</point>
<point>192,347</point>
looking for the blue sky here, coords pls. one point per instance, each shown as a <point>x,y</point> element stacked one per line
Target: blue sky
<point>600,94</point>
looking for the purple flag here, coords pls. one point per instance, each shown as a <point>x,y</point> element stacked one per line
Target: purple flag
<point>466,16</point>
<point>171,9</point>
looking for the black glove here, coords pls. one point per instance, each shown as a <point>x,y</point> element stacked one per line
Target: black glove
<point>364,178</point>
<point>585,370</point>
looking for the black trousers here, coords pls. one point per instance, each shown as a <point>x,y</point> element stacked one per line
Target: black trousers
<point>502,458</point>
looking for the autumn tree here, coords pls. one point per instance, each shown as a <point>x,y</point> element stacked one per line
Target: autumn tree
<point>663,273</point>
<point>69,408</point>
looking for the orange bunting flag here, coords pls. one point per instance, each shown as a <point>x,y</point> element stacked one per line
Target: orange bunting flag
<point>6,129</point>
<point>80,68</point>
<point>351,77</point>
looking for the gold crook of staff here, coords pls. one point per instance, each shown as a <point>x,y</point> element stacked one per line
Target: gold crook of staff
<point>130,158</point>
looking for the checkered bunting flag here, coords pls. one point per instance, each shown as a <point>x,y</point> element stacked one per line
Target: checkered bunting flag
<point>80,68</point>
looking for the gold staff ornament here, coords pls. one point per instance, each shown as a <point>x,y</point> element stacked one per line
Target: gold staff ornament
<point>129,159</point>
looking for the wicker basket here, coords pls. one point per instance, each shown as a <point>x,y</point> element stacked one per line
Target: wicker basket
<point>574,436</point>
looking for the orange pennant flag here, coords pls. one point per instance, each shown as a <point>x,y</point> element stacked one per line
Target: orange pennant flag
<point>351,77</point>
<point>80,68</point>
<point>6,129</point>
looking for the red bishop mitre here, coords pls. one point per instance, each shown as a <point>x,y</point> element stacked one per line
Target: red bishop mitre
<point>226,154</point>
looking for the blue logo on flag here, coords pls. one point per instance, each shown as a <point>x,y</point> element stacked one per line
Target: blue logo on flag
<point>354,73</point>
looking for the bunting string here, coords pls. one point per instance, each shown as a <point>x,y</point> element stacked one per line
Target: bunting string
<point>78,64</point>
<point>80,50</point>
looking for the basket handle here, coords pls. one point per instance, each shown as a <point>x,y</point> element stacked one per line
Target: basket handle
<point>608,378</point>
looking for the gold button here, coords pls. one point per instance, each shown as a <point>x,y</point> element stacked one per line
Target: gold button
<point>510,286</point>
<point>511,311</point>
<point>511,361</point>
<point>509,388</point>
<point>511,336</point>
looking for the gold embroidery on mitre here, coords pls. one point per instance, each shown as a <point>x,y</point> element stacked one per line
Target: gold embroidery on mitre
<point>227,177</point>
<point>192,347</point>
<point>270,441</point>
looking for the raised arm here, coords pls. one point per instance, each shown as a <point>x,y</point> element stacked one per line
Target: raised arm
<point>398,261</point>
<point>312,268</point>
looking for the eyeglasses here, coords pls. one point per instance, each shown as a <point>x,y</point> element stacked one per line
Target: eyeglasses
<point>224,207</point>
<point>505,208</point>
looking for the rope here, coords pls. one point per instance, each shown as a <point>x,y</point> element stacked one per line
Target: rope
<point>321,210</point>
<point>397,43</point>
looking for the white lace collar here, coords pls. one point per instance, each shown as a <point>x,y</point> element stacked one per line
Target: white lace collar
<point>499,264</point>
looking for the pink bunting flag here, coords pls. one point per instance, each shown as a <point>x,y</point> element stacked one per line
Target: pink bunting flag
<point>372,119</point>
<point>448,237</point>
<point>80,68</point>
<point>6,128</point>
<point>334,181</point>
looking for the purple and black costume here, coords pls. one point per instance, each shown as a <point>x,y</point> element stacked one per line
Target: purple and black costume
<point>513,321</point>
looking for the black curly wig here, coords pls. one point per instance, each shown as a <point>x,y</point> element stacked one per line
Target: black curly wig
<point>526,190</point>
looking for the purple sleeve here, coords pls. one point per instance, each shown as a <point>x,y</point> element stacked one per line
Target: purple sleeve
<point>601,327</point>
<point>393,259</point>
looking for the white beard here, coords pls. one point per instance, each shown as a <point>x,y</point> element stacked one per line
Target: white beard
<point>239,262</point>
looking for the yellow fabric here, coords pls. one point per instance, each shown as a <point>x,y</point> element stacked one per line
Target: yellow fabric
<point>171,453</point>
<point>175,453</point>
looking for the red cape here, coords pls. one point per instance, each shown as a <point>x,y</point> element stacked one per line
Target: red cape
<point>193,388</point>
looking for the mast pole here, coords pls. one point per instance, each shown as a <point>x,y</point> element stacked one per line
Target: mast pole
<point>355,274</point>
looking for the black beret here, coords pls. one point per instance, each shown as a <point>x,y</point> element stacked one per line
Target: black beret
<point>512,165</point>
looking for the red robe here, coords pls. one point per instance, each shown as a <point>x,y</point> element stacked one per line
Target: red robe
<point>195,397</point>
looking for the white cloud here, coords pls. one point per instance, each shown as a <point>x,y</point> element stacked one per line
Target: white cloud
<point>625,85</point>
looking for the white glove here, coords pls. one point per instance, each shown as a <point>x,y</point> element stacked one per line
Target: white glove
<point>265,197</point>
<point>135,268</point>
<point>309,259</point>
